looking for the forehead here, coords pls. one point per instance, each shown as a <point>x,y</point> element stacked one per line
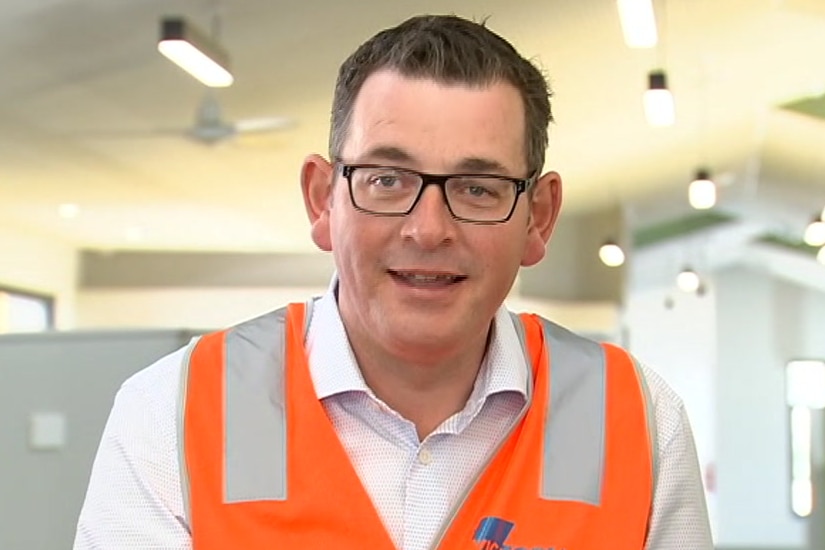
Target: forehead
<point>436,126</point>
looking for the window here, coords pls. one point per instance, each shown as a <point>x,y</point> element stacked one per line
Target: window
<point>25,311</point>
<point>805,392</point>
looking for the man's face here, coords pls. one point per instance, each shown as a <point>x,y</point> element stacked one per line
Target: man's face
<point>426,279</point>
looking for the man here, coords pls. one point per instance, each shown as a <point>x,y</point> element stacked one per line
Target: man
<point>407,408</point>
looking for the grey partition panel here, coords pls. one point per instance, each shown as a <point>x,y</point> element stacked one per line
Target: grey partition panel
<point>74,375</point>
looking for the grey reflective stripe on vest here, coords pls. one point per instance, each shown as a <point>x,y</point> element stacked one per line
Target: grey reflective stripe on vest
<point>574,438</point>
<point>254,413</point>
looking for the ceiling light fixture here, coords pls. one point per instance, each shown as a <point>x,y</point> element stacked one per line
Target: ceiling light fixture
<point>611,254</point>
<point>660,109</point>
<point>702,191</point>
<point>194,52</point>
<point>815,232</point>
<point>638,23</point>
<point>134,234</point>
<point>68,211</point>
<point>688,281</point>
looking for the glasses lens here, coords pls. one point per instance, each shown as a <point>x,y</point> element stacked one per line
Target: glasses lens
<point>384,190</point>
<point>481,198</point>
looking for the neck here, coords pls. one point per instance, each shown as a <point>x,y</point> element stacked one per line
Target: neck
<point>424,385</point>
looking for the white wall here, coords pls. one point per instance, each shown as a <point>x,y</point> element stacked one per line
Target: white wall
<point>679,343</point>
<point>761,327</point>
<point>40,265</point>
<point>195,308</point>
<point>813,325</point>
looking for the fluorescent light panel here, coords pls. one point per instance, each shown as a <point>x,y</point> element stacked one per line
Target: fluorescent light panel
<point>638,23</point>
<point>194,53</point>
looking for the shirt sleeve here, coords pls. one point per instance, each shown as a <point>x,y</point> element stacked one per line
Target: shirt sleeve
<point>679,520</point>
<point>134,498</point>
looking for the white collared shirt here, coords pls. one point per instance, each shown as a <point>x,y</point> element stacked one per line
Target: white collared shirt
<point>134,498</point>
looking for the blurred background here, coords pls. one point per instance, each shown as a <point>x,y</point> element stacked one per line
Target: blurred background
<point>139,206</point>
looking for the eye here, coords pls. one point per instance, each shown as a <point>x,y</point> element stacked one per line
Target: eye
<point>478,190</point>
<point>385,180</point>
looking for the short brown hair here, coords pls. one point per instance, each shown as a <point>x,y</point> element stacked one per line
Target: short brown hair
<point>451,50</point>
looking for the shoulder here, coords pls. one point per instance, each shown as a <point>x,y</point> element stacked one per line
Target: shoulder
<point>668,408</point>
<point>146,404</point>
<point>160,381</point>
<point>669,413</point>
<point>142,424</point>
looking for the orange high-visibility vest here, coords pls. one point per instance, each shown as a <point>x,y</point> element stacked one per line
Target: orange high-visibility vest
<point>262,466</point>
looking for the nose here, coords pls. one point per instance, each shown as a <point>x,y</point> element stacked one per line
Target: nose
<point>430,223</point>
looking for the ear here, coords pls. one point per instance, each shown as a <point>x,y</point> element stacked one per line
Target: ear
<point>316,186</point>
<point>545,206</point>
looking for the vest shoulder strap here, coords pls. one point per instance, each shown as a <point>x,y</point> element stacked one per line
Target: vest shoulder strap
<point>254,356</point>
<point>576,361</point>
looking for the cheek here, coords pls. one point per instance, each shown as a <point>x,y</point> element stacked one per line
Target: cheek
<point>355,237</point>
<point>503,256</point>
<point>499,255</point>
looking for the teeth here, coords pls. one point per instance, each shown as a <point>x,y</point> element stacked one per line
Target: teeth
<point>420,278</point>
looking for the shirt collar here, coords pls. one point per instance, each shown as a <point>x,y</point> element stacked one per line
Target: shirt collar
<point>334,370</point>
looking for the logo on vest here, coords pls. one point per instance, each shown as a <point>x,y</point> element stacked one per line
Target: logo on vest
<point>492,533</point>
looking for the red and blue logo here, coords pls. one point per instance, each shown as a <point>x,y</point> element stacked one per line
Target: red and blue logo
<point>492,533</point>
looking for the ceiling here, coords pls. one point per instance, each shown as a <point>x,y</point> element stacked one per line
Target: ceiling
<point>84,90</point>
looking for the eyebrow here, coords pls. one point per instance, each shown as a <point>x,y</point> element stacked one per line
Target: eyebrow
<point>388,153</point>
<point>478,164</point>
<point>392,154</point>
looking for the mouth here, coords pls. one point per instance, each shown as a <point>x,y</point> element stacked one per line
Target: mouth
<point>426,279</point>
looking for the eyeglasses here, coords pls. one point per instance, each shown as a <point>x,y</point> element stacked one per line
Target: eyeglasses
<point>474,198</point>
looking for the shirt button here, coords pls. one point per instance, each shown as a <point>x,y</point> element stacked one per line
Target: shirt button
<point>424,456</point>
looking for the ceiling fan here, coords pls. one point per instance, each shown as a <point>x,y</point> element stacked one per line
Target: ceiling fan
<point>210,127</point>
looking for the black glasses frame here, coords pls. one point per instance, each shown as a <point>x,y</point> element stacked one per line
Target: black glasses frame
<point>439,180</point>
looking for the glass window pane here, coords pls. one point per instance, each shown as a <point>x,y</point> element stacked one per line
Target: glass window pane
<point>806,384</point>
<point>22,312</point>
<point>27,314</point>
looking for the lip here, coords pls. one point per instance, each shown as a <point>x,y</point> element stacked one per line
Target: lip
<point>427,273</point>
<point>427,281</point>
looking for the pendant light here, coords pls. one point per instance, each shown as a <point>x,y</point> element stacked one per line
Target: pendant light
<point>815,232</point>
<point>688,280</point>
<point>611,254</point>
<point>702,191</point>
<point>660,109</point>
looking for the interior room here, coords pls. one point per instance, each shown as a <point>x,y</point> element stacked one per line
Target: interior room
<point>140,207</point>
